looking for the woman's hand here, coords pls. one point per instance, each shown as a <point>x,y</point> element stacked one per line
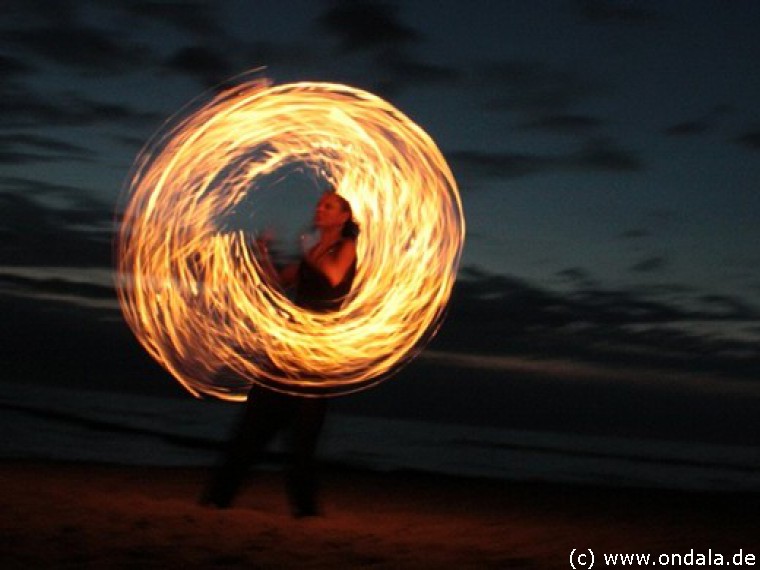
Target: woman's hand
<point>263,240</point>
<point>284,277</point>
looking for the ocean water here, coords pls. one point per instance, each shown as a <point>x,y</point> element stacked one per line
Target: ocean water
<point>43,422</point>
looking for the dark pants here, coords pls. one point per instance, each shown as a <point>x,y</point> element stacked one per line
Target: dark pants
<point>266,414</point>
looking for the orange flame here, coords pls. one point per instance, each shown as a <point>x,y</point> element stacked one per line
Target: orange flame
<point>198,299</point>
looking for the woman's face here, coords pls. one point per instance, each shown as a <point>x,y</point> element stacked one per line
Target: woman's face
<point>330,212</point>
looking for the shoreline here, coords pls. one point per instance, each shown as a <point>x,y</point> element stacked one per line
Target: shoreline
<point>104,515</point>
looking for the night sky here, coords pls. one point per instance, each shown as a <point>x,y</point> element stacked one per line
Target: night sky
<point>607,154</point>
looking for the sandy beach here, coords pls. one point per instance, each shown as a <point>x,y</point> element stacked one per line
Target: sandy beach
<point>79,515</point>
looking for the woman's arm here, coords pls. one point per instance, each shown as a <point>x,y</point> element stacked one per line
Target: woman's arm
<point>285,277</point>
<point>335,265</point>
<point>288,275</point>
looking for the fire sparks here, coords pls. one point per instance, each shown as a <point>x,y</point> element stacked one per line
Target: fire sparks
<point>197,298</point>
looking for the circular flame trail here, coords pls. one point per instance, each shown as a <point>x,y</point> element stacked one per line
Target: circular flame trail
<point>197,298</point>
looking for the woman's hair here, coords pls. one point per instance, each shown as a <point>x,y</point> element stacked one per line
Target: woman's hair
<point>350,228</point>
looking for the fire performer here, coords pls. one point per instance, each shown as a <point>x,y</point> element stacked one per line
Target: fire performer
<point>321,280</point>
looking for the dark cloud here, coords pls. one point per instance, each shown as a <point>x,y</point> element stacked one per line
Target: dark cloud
<point>74,233</point>
<point>663,216</point>
<point>74,204</point>
<point>597,155</point>
<point>72,344</point>
<point>364,25</point>
<point>657,328</point>
<point>650,265</point>
<point>131,142</point>
<point>34,12</point>
<point>750,139</point>
<point>23,148</point>
<point>56,286</point>
<point>87,50</point>
<point>260,53</point>
<point>61,36</point>
<point>395,69</point>
<point>20,156</point>
<point>635,234</point>
<point>722,109</point>
<point>25,108</point>
<point>87,111</point>
<point>195,17</point>
<point>533,87</point>
<point>377,29</point>
<point>615,12</point>
<point>663,290</point>
<point>577,276</point>
<point>729,307</point>
<point>206,64</point>
<point>563,123</point>
<point>405,68</point>
<point>12,67</point>
<point>501,164</point>
<point>597,305</point>
<point>687,128</point>
<point>604,154</point>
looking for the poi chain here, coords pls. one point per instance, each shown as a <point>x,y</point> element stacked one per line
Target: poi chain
<point>198,299</point>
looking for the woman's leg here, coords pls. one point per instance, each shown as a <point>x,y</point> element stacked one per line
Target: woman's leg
<point>265,413</point>
<point>302,475</point>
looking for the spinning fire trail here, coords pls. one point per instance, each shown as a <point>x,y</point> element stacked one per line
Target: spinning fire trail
<point>198,299</point>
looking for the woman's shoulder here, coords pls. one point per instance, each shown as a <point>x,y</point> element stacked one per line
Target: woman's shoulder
<point>347,244</point>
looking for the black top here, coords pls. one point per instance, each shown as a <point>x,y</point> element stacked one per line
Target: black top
<point>314,291</point>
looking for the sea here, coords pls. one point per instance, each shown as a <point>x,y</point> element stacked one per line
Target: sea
<point>43,422</point>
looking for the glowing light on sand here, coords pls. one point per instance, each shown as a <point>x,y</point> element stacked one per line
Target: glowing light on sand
<point>196,296</point>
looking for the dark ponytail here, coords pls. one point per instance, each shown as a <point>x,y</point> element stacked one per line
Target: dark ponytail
<point>350,229</point>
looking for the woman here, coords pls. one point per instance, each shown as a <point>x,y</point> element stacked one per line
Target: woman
<point>321,279</point>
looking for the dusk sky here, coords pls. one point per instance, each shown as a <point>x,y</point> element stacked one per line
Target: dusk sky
<point>607,155</point>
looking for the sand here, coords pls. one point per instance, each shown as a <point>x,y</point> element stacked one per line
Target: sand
<point>74,515</point>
